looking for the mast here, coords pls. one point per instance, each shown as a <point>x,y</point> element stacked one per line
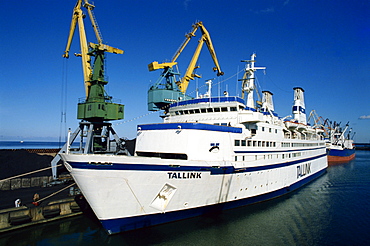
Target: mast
<point>248,85</point>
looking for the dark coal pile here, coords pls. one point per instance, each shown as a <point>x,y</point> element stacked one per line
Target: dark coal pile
<point>15,162</point>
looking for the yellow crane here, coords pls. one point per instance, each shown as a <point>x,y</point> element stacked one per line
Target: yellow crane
<point>167,89</point>
<point>94,80</point>
<point>97,109</point>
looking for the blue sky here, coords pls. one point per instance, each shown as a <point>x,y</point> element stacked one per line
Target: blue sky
<point>321,46</point>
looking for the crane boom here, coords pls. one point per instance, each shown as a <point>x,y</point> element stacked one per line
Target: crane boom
<point>186,41</point>
<point>77,17</point>
<point>160,95</point>
<point>189,75</point>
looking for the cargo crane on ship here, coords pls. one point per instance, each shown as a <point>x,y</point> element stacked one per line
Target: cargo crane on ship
<point>169,88</point>
<point>97,109</point>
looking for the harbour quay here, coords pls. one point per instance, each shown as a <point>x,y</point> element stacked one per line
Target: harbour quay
<point>20,217</point>
<point>362,146</point>
<point>41,198</point>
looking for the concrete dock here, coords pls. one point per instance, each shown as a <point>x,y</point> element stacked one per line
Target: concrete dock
<point>57,198</point>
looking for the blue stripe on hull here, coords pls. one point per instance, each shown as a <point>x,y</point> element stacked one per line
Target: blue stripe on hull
<point>341,153</point>
<point>170,168</point>
<point>132,223</point>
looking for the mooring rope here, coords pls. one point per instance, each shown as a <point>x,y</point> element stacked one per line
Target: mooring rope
<point>20,175</point>
<point>55,193</point>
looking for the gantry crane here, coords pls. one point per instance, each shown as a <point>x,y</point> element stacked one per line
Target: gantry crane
<point>168,88</point>
<point>97,108</point>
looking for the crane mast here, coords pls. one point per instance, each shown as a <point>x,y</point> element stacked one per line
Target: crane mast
<point>168,89</point>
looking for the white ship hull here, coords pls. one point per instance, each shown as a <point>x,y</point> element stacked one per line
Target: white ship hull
<point>128,193</point>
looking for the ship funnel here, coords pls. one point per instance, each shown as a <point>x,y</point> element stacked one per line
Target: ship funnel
<point>267,103</point>
<point>299,109</point>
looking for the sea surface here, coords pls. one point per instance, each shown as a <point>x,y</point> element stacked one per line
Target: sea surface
<point>33,145</point>
<point>332,210</point>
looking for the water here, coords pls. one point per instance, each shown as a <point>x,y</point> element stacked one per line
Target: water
<point>33,145</point>
<point>332,210</point>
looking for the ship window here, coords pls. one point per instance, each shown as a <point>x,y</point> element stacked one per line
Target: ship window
<point>263,143</point>
<point>196,111</point>
<point>223,124</point>
<point>163,155</point>
<point>203,110</point>
<point>243,143</point>
<point>254,143</point>
<point>177,113</point>
<point>275,130</point>
<point>263,129</point>
<point>270,129</point>
<point>186,111</point>
<point>236,158</point>
<point>217,109</point>
<point>191,111</point>
<point>232,108</point>
<point>267,144</point>
<point>237,142</point>
<point>259,143</point>
<point>209,110</point>
<point>223,109</point>
<point>249,143</point>
<point>216,124</point>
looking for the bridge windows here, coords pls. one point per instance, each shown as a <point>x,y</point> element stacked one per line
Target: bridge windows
<point>204,110</point>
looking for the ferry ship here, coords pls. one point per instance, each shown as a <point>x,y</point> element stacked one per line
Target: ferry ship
<point>209,154</point>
